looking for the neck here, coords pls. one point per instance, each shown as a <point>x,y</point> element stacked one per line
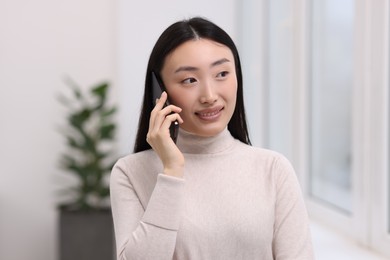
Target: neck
<point>194,144</point>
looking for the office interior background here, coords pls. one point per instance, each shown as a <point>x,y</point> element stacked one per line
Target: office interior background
<point>316,84</point>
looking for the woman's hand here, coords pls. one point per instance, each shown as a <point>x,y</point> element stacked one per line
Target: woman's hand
<point>159,137</point>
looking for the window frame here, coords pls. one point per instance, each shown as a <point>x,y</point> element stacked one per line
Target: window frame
<point>370,222</point>
<point>378,169</point>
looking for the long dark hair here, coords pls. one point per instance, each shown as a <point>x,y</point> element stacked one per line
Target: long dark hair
<point>170,39</point>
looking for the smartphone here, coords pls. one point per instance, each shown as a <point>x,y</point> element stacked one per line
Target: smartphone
<point>157,90</point>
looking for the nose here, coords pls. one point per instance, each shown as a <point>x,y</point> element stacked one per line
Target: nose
<point>208,94</point>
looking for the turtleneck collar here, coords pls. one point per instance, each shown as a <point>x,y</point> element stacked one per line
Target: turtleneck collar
<point>194,144</point>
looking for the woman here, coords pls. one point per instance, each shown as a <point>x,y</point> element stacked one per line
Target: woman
<point>210,195</point>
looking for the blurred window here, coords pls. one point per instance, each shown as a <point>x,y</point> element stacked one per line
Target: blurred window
<point>280,86</point>
<point>331,87</point>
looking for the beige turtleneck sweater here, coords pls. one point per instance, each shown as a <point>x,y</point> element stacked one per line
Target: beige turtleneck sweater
<point>235,202</point>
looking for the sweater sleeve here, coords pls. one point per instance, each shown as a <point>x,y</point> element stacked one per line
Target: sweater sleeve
<point>145,233</point>
<point>292,238</point>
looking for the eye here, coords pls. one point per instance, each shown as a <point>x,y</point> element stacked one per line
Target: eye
<point>222,74</point>
<point>189,81</point>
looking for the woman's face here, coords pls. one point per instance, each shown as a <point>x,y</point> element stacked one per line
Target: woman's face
<point>200,78</point>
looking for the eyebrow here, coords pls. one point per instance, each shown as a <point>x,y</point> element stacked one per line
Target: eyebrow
<point>191,68</point>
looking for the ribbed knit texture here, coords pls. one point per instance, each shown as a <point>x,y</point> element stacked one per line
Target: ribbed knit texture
<point>235,202</point>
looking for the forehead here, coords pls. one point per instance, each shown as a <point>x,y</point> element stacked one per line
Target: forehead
<point>198,52</point>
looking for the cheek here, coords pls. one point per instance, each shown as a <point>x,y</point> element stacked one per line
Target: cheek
<point>231,98</point>
<point>232,104</point>
<point>186,102</point>
<point>231,92</point>
<point>181,100</point>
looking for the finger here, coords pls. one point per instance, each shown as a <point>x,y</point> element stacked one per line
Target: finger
<point>170,110</point>
<point>163,123</point>
<point>159,116</point>
<point>171,119</point>
<point>162,132</point>
<point>176,117</point>
<point>160,102</point>
<point>158,106</point>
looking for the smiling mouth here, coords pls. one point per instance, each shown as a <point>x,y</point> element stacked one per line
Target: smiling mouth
<point>209,114</point>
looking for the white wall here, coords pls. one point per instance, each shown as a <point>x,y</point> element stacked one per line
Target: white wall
<point>40,42</point>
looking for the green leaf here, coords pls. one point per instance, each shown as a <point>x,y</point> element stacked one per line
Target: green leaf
<point>79,118</point>
<point>107,113</point>
<point>73,143</point>
<point>90,145</point>
<point>74,167</point>
<point>100,90</point>
<point>107,131</point>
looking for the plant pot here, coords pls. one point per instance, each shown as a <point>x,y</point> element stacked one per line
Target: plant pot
<point>86,235</point>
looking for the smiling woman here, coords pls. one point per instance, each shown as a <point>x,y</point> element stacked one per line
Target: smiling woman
<point>200,78</point>
<point>210,195</point>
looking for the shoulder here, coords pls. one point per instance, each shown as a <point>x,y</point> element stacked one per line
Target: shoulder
<point>268,160</point>
<point>135,159</point>
<point>262,154</point>
<point>132,166</point>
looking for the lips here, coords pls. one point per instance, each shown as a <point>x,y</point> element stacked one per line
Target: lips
<point>210,113</point>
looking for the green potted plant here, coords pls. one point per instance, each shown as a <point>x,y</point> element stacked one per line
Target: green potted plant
<point>86,228</point>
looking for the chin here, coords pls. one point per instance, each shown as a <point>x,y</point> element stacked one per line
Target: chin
<point>209,132</point>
